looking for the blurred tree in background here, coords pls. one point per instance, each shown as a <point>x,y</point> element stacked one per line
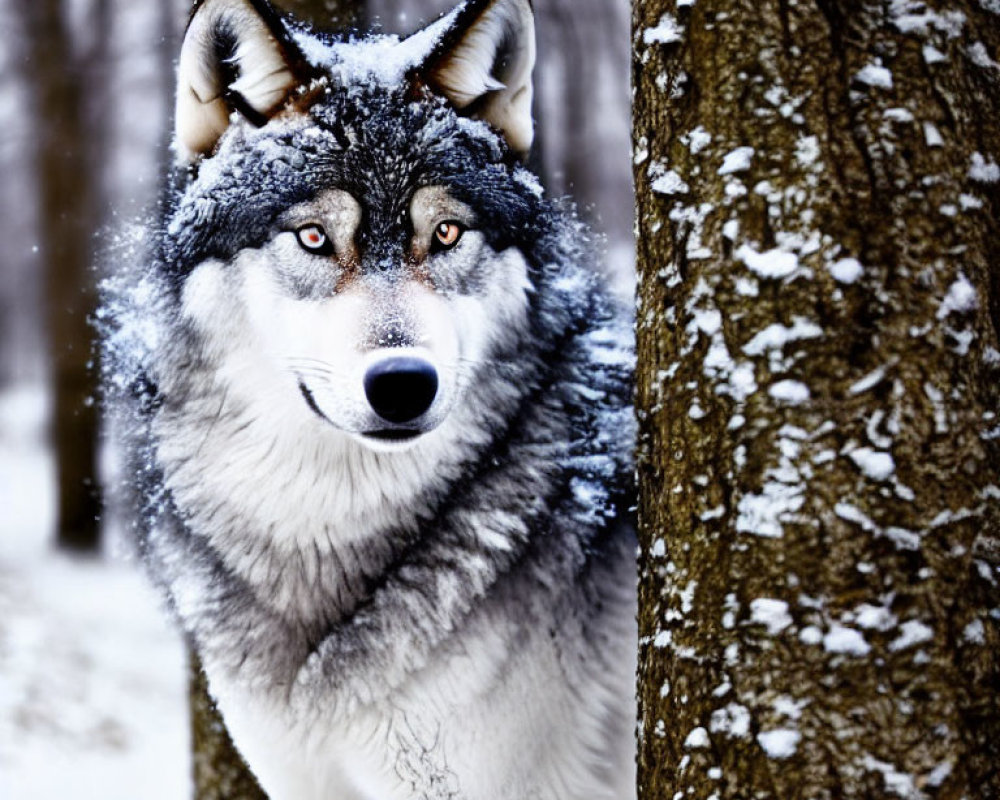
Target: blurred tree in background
<point>328,15</point>
<point>66,86</point>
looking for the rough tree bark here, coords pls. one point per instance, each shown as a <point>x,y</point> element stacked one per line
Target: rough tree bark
<point>219,772</point>
<point>819,229</point>
<point>70,135</point>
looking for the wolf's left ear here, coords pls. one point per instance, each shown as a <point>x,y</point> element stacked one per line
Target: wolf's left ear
<point>236,56</point>
<point>482,65</point>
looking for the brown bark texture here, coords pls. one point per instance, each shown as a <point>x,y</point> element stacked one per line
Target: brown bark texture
<point>818,197</point>
<point>67,152</point>
<point>218,769</point>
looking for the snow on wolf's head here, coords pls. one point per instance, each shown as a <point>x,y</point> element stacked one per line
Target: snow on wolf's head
<point>357,235</point>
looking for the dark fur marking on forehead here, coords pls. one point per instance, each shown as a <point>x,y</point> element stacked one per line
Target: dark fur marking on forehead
<point>378,144</point>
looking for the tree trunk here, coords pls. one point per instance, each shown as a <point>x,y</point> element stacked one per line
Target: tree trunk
<point>819,224</point>
<point>69,135</point>
<point>219,771</point>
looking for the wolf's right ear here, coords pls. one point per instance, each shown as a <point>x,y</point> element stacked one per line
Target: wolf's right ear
<point>237,56</point>
<point>483,63</point>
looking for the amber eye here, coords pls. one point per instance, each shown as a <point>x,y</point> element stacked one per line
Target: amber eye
<point>314,239</point>
<point>447,234</point>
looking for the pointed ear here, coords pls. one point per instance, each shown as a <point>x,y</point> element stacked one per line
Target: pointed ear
<point>237,56</point>
<point>483,65</point>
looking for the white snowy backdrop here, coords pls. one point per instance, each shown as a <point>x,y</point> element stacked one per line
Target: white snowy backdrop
<point>92,678</point>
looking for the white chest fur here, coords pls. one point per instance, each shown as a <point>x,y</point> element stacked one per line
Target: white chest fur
<point>492,719</point>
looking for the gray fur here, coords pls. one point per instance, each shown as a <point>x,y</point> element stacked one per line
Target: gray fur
<point>449,619</point>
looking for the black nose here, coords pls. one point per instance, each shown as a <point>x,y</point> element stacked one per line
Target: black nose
<point>401,389</point>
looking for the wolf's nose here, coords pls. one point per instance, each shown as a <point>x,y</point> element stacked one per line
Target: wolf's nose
<point>401,389</point>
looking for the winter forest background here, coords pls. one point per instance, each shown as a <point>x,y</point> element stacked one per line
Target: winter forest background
<point>92,679</point>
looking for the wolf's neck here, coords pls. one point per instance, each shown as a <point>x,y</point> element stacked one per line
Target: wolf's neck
<point>305,516</point>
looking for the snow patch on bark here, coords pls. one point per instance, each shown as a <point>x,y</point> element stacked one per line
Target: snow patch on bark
<point>961,298</point>
<point>708,321</point>
<point>983,170</point>
<point>932,136</point>
<point>780,743</point>
<point>761,514</point>
<point>898,783</point>
<point>790,392</point>
<point>666,31</point>
<point>807,150</point>
<point>697,739</point>
<point>913,632</point>
<point>732,721</point>
<point>846,270</point>
<point>850,513</point>
<point>774,263</point>
<point>980,56</point>
<point>811,635</point>
<point>878,618</point>
<point>665,181</point>
<point>932,55</point>
<point>789,706</point>
<point>772,614</point>
<point>874,75</point>
<point>776,336</point>
<point>846,641</point>
<point>697,140</point>
<point>939,774</point>
<point>974,632</point>
<point>898,115</point>
<point>869,381</point>
<point>914,17</point>
<point>691,223</point>
<point>737,160</point>
<point>874,464</point>
<point>782,494</point>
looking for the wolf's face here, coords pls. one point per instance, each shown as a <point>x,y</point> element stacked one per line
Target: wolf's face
<point>376,326</point>
<point>354,237</point>
<point>377,350</point>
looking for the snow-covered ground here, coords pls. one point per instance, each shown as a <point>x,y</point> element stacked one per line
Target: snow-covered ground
<point>92,677</point>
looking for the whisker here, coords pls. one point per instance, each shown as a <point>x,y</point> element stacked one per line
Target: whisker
<point>304,360</point>
<point>311,370</point>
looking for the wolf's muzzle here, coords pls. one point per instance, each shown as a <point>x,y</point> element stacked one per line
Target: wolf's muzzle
<point>401,388</point>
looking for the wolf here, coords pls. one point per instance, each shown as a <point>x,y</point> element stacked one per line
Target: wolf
<point>377,411</point>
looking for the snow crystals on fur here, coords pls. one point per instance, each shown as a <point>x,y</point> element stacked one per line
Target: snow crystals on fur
<point>320,574</point>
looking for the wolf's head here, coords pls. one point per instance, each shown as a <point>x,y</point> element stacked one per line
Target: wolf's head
<point>356,227</point>
<point>359,324</point>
